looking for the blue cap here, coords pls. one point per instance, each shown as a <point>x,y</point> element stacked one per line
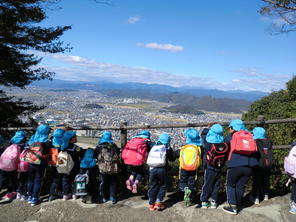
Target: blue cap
<point>106,137</point>
<point>57,140</point>
<point>145,134</point>
<point>164,139</point>
<point>237,125</point>
<point>259,133</point>
<point>68,135</point>
<point>215,134</point>
<point>192,137</point>
<point>18,137</point>
<point>41,134</point>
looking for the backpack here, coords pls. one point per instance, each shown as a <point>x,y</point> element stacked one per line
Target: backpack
<point>88,161</point>
<point>52,156</point>
<point>190,157</point>
<point>135,152</point>
<point>10,158</point>
<point>80,184</point>
<point>23,165</point>
<point>34,154</point>
<point>65,163</point>
<point>157,156</point>
<point>242,142</point>
<point>217,155</point>
<point>108,159</point>
<point>290,162</point>
<point>265,149</point>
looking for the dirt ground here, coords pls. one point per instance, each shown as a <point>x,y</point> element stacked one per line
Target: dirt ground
<point>135,209</point>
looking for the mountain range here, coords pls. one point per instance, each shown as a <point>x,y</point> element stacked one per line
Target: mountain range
<point>206,99</point>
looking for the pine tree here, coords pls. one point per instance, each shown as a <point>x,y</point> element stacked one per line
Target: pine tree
<point>21,37</point>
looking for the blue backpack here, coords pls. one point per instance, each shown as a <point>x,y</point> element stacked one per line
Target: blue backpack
<point>88,161</point>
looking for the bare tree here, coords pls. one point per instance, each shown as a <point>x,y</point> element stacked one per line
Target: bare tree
<point>283,13</point>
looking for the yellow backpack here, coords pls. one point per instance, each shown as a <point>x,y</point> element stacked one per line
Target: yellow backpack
<point>190,157</point>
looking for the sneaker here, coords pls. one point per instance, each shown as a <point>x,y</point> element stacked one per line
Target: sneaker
<point>18,196</point>
<point>159,206</point>
<point>151,207</point>
<point>51,198</point>
<point>292,210</point>
<point>29,199</point>
<point>187,194</point>
<point>24,197</point>
<point>213,204</point>
<point>35,201</point>
<point>266,197</point>
<point>67,197</point>
<point>231,209</point>
<point>74,197</point>
<point>205,205</point>
<point>10,196</point>
<point>129,184</point>
<point>113,200</point>
<point>257,201</point>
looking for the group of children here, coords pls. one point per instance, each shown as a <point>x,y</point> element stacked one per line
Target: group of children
<point>74,170</point>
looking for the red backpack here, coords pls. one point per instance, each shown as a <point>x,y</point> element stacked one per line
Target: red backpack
<point>217,155</point>
<point>242,142</point>
<point>35,153</point>
<point>135,152</point>
<point>23,165</point>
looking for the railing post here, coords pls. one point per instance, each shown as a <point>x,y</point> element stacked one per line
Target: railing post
<point>262,121</point>
<point>123,134</point>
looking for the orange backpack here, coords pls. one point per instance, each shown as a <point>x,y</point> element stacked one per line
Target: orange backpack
<point>52,156</point>
<point>190,157</point>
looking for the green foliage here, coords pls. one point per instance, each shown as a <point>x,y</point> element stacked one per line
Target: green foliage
<point>20,39</point>
<point>278,105</point>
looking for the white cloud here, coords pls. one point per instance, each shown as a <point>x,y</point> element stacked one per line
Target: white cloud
<point>133,19</point>
<point>165,47</point>
<point>252,78</point>
<point>83,69</point>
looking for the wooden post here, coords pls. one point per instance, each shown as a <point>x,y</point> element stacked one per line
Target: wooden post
<point>123,134</point>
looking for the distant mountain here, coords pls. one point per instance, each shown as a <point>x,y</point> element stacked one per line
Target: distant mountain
<point>202,99</point>
<point>107,85</point>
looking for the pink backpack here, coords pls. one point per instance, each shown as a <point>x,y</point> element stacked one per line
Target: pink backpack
<point>10,158</point>
<point>290,162</point>
<point>23,165</point>
<point>242,142</point>
<point>135,152</point>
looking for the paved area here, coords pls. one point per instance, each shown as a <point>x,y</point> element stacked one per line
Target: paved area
<point>135,209</point>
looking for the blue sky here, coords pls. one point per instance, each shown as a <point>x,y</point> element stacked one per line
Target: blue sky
<point>213,44</point>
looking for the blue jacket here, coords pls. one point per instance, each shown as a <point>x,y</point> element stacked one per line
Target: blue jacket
<point>238,160</point>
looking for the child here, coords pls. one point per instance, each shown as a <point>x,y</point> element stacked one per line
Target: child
<point>57,142</point>
<point>10,177</point>
<point>216,153</point>
<point>85,181</point>
<point>240,166</point>
<point>158,171</point>
<point>39,144</point>
<point>291,158</point>
<point>134,156</point>
<point>20,138</point>
<point>261,173</point>
<point>108,155</point>
<point>190,160</point>
<point>293,197</point>
<point>76,153</point>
